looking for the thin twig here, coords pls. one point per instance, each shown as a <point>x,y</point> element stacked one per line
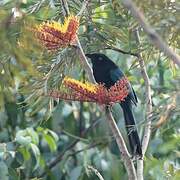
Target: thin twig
<point>65,8</point>
<point>86,148</point>
<point>85,3</point>
<point>166,113</point>
<point>152,34</point>
<point>75,137</point>
<point>121,51</point>
<point>147,128</point>
<point>96,172</point>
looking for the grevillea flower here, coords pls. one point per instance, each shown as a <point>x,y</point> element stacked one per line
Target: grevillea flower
<point>54,35</point>
<point>78,91</point>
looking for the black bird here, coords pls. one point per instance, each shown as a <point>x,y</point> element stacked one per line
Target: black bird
<point>107,72</point>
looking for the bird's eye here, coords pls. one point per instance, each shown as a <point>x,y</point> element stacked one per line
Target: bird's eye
<point>100,58</point>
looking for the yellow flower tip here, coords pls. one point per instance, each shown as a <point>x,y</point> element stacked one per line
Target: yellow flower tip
<point>55,35</point>
<point>71,22</point>
<point>55,25</point>
<point>61,27</point>
<point>73,83</point>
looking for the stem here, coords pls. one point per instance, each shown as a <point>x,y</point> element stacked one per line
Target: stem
<point>83,8</point>
<point>120,50</point>
<point>96,172</point>
<point>147,129</point>
<point>84,62</point>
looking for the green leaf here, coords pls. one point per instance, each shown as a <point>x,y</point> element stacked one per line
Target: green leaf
<point>22,138</point>
<point>4,171</point>
<point>177,175</point>
<point>36,153</point>
<point>54,135</point>
<point>51,142</point>
<point>25,152</point>
<point>34,135</point>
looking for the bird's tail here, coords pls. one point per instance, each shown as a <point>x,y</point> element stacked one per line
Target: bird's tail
<point>133,136</point>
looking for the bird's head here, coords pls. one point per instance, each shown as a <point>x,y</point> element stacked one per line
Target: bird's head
<point>100,60</point>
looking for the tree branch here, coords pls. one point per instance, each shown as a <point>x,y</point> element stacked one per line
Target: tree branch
<point>152,34</point>
<point>122,146</point>
<point>147,129</point>
<point>96,172</point>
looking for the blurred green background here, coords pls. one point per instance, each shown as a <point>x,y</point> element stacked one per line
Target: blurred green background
<point>57,140</point>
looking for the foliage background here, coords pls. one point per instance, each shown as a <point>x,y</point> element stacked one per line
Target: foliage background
<point>35,130</point>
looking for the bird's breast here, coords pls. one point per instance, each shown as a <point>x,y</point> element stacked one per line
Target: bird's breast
<point>103,77</point>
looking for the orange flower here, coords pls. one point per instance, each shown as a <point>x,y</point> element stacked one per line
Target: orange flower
<point>54,35</point>
<point>78,91</point>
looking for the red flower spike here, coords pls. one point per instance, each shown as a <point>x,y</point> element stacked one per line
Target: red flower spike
<point>53,35</point>
<point>78,91</point>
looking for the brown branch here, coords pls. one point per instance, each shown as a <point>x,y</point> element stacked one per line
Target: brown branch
<point>122,146</point>
<point>147,128</point>
<point>152,34</point>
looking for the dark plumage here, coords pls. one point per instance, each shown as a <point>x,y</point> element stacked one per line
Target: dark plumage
<point>107,72</point>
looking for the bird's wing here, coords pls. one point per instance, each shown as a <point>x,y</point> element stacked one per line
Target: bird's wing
<point>117,74</point>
